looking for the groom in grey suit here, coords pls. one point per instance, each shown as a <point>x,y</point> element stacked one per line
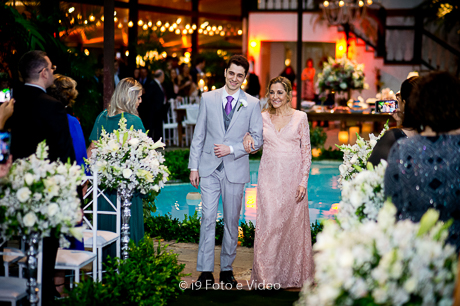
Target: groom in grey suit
<point>217,156</point>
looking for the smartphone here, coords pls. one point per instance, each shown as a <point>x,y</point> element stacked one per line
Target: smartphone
<point>6,94</point>
<point>5,140</point>
<point>386,106</point>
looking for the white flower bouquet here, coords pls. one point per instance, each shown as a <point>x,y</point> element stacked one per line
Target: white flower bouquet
<point>128,159</point>
<point>38,196</point>
<point>341,75</point>
<point>363,196</point>
<point>383,263</point>
<point>355,157</point>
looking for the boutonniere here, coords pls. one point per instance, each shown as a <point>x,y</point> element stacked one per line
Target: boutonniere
<point>243,103</point>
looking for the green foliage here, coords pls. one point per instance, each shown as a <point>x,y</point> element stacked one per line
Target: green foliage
<point>177,163</point>
<point>317,137</point>
<point>315,229</point>
<point>247,240</point>
<point>215,65</point>
<point>150,276</point>
<point>188,230</point>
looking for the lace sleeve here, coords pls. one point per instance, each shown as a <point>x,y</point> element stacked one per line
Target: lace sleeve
<point>305,149</point>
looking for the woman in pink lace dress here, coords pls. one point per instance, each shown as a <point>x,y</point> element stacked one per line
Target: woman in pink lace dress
<point>282,251</point>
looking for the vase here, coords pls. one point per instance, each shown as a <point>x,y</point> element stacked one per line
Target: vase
<point>126,196</point>
<point>32,241</point>
<point>341,99</point>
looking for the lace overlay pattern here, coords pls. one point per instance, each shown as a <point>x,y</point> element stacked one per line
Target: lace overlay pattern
<point>282,251</point>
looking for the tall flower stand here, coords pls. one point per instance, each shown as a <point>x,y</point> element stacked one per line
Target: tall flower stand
<point>126,196</point>
<point>32,242</point>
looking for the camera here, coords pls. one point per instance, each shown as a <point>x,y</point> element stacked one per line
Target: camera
<point>5,95</point>
<point>386,106</point>
<point>5,140</point>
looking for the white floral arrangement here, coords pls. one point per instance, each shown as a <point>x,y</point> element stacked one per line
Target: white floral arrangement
<point>355,156</point>
<point>341,75</point>
<point>363,196</point>
<point>38,196</point>
<point>128,159</point>
<point>383,263</point>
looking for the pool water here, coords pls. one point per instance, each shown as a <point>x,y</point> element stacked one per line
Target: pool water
<point>323,195</point>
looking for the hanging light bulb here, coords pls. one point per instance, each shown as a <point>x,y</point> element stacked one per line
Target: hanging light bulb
<point>184,31</point>
<point>179,20</point>
<point>162,29</point>
<point>187,26</point>
<point>214,28</point>
<point>130,24</point>
<point>120,25</point>
<point>240,32</point>
<point>361,3</point>
<point>219,28</point>
<point>200,30</point>
<point>140,22</point>
<point>171,29</point>
<point>149,24</point>
<point>158,23</point>
<point>326,3</point>
<point>194,26</point>
<point>177,31</point>
<point>71,10</point>
<point>369,2</point>
<point>190,31</point>
<point>92,18</point>
<point>341,3</point>
<point>145,27</point>
<point>115,19</point>
<point>167,25</point>
<point>222,33</point>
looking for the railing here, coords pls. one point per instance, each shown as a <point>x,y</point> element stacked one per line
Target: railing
<point>284,5</point>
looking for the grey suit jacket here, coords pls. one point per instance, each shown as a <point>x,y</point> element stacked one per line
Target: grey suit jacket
<point>210,130</point>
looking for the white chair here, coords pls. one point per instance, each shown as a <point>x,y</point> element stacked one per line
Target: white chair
<point>171,125</point>
<point>103,238</point>
<point>74,260</point>
<point>190,122</point>
<point>12,256</point>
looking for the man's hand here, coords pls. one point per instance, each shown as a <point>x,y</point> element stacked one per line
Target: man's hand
<point>6,110</point>
<point>221,150</point>
<point>195,178</point>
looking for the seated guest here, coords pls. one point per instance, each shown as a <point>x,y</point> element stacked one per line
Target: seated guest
<point>404,119</point>
<point>423,171</point>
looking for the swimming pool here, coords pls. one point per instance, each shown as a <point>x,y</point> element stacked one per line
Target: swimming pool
<point>323,195</point>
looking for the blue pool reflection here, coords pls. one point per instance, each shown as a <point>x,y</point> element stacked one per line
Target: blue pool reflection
<point>323,195</point>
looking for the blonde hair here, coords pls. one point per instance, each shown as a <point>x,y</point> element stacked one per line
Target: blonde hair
<point>287,87</point>
<point>125,97</point>
<point>64,89</point>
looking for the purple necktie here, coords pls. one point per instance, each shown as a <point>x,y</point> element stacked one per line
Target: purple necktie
<point>228,106</point>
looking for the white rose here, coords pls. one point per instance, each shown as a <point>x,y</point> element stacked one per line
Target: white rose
<point>37,196</point>
<point>127,173</point>
<point>373,142</point>
<point>133,142</point>
<point>23,194</point>
<point>53,209</point>
<point>30,219</point>
<point>29,179</point>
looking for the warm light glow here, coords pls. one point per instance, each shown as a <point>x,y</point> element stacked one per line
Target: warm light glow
<point>102,18</point>
<point>149,24</point>
<point>145,27</point>
<point>340,48</point>
<point>353,130</point>
<point>219,52</point>
<point>190,31</point>
<point>369,2</point>
<point>115,19</point>
<point>222,33</point>
<point>98,23</point>
<point>341,3</point>
<point>177,31</point>
<point>205,88</point>
<point>343,137</point>
<point>326,3</point>
<point>316,152</point>
<point>92,18</point>
<point>155,28</point>
<point>140,23</point>
<point>158,23</point>
<point>130,24</point>
<point>287,62</point>
<point>120,25</point>
<point>211,33</point>
<point>171,29</point>
<point>204,24</point>
<point>127,53</point>
<point>208,28</point>
<point>174,54</point>
<point>71,9</point>
<point>184,31</point>
<point>219,28</point>
<point>167,25</point>
<point>179,20</point>
<point>174,25</point>
<point>253,43</point>
<point>85,22</point>
<point>213,87</point>
<point>361,3</point>
<point>187,26</point>
<point>240,32</point>
<point>194,26</point>
<point>114,13</point>
<point>214,28</point>
<point>164,54</point>
<point>80,16</point>
<point>200,30</point>
<point>201,84</point>
<point>162,29</point>
<point>86,52</point>
<point>205,32</point>
<point>187,54</point>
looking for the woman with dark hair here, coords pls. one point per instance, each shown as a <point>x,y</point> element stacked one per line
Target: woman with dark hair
<point>282,248</point>
<point>423,171</point>
<point>404,118</point>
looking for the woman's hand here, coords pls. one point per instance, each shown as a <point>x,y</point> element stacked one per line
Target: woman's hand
<point>300,194</point>
<point>6,110</point>
<point>248,143</point>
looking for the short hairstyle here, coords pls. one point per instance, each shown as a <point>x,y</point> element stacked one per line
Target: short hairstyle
<point>239,60</point>
<point>287,87</point>
<point>64,89</point>
<point>125,97</point>
<point>435,102</point>
<point>408,118</point>
<point>31,63</point>
<point>199,60</point>
<point>158,73</point>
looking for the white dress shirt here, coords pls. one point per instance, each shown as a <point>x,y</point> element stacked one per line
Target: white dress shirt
<point>33,85</point>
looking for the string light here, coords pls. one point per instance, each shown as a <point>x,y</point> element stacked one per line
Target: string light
<point>179,20</point>
<point>158,23</point>
<point>120,25</point>
<point>71,9</point>
<point>211,33</point>
<point>213,28</point>
<point>194,27</point>
<point>190,31</point>
<point>174,25</point>
<point>208,28</point>
<point>326,3</point>
<point>187,26</point>
<point>222,33</point>
<point>115,19</point>
<point>145,27</point>
<point>171,29</point>
<point>127,53</point>
<point>240,32</point>
<point>177,31</point>
<point>140,22</point>
<point>98,23</point>
<point>341,3</point>
<point>162,29</point>
<point>361,3</point>
<point>167,25</point>
<point>184,31</point>
<point>200,30</point>
<point>92,18</point>
<point>85,22</point>
<point>130,24</point>
<point>149,24</point>
<point>219,28</point>
<point>205,32</point>
<point>102,18</point>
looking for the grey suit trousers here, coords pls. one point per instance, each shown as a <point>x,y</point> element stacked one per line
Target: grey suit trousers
<point>232,195</point>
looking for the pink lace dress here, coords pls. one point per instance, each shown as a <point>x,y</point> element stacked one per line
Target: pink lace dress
<point>282,248</point>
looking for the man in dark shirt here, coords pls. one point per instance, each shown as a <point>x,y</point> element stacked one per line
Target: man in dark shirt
<point>37,117</point>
